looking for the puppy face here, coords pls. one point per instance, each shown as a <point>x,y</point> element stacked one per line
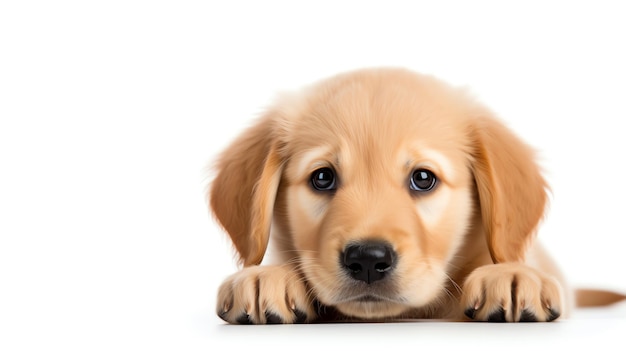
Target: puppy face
<point>374,164</point>
<point>371,183</point>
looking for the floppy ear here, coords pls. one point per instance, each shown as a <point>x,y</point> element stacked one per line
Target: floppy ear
<point>243,192</point>
<point>511,190</point>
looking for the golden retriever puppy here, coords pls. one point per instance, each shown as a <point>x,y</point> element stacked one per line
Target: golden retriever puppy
<point>386,194</point>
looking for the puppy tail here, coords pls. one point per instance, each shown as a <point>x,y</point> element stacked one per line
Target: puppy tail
<point>597,297</point>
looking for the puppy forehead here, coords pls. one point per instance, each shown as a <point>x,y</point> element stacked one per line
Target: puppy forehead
<point>346,136</point>
<point>373,116</point>
<point>370,108</point>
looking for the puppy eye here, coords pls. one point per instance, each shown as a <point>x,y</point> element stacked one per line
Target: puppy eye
<point>323,179</point>
<point>422,180</point>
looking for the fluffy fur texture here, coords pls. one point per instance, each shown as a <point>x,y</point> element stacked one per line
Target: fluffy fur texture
<point>387,194</point>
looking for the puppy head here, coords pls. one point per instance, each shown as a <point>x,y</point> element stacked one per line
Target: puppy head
<point>373,180</point>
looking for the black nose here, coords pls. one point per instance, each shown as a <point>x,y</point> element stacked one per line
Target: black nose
<point>369,261</point>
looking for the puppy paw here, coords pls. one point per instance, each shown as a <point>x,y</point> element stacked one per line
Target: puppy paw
<point>511,292</point>
<point>264,295</point>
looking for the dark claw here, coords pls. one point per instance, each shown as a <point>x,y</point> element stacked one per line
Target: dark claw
<point>300,316</point>
<point>272,318</point>
<point>553,315</point>
<point>528,316</point>
<point>244,318</point>
<point>497,316</point>
<point>470,312</point>
<point>222,315</point>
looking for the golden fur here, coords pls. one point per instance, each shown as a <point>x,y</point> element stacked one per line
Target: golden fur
<point>463,250</point>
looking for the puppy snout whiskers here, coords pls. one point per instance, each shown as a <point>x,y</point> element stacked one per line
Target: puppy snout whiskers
<point>369,261</point>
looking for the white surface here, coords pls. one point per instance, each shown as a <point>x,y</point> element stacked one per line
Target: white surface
<point>109,112</point>
<point>591,330</point>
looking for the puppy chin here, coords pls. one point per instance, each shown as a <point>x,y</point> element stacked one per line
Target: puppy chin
<point>371,309</point>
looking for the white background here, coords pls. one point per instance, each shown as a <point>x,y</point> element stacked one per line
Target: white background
<point>110,111</point>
